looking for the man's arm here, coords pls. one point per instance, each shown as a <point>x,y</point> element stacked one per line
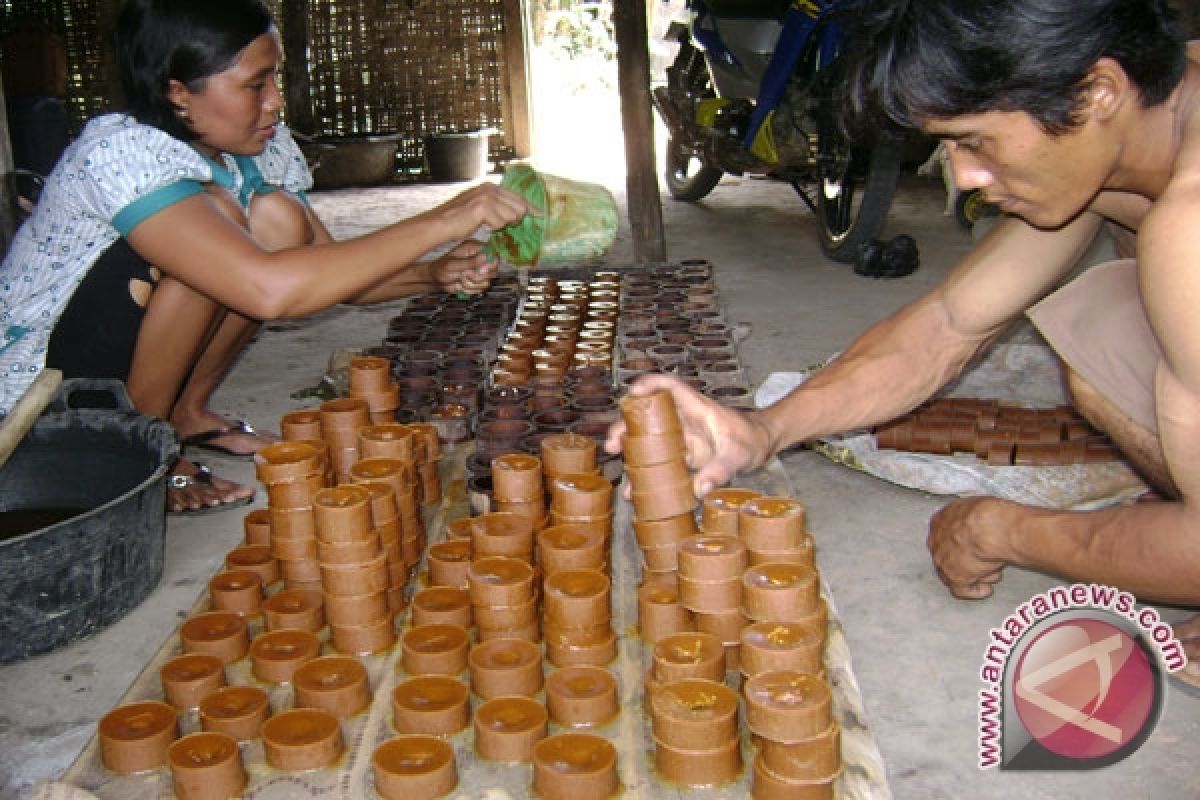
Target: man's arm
<point>895,365</point>
<point>1151,549</point>
<point>902,361</point>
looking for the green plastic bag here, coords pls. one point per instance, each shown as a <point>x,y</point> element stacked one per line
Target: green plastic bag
<point>578,223</point>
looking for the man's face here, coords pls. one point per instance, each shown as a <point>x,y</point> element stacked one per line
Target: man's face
<point>1045,179</point>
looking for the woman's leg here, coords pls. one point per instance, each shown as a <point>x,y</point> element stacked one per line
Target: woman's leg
<point>178,325</point>
<point>187,343</point>
<point>277,221</point>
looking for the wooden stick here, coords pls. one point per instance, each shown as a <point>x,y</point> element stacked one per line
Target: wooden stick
<point>26,411</point>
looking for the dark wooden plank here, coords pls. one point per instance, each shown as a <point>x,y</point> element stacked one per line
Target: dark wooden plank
<point>517,129</point>
<point>293,29</point>
<point>641,180</point>
<point>8,200</point>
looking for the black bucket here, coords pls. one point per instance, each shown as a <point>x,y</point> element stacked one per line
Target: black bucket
<point>91,452</point>
<point>457,155</point>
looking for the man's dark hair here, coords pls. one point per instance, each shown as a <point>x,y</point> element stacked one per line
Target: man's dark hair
<point>158,41</point>
<point>922,59</point>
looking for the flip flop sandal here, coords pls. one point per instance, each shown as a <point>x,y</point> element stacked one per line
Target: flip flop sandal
<point>204,476</point>
<point>204,440</point>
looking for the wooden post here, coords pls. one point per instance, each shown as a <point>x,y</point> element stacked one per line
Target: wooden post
<point>8,200</point>
<point>641,180</point>
<point>518,130</point>
<point>294,33</point>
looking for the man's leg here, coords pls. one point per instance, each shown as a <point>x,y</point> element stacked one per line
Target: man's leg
<point>1188,634</point>
<point>1120,354</point>
<point>1140,447</point>
<point>1144,451</point>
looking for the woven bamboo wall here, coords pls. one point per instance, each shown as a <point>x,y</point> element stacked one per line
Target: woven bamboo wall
<point>409,67</point>
<point>82,28</point>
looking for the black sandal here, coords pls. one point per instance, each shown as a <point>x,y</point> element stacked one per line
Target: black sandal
<point>204,439</point>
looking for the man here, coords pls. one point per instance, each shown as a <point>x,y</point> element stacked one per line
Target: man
<point>1071,116</point>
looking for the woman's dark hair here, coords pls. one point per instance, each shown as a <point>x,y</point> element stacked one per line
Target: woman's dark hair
<point>158,41</point>
<point>921,59</point>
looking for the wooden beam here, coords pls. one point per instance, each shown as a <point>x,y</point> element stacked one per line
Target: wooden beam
<point>293,30</point>
<point>641,180</point>
<point>8,199</point>
<point>518,127</point>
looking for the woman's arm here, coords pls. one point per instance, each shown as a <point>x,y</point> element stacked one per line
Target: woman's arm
<point>199,245</point>
<point>466,269</point>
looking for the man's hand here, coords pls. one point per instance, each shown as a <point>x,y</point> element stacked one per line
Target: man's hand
<point>963,539</point>
<point>464,269</point>
<point>720,441</point>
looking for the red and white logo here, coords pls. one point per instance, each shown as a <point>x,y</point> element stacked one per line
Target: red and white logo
<point>1084,689</point>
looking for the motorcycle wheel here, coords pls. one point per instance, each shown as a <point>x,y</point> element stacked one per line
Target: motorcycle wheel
<point>854,190</point>
<point>688,177</point>
<point>970,207</point>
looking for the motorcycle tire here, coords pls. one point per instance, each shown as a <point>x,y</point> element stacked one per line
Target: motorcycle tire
<point>853,197</point>
<point>688,178</point>
<point>970,207</point>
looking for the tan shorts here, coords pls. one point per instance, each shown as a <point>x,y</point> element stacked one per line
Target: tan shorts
<point>1098,326</point>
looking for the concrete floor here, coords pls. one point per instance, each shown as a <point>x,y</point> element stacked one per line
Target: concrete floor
<point>916,650</point>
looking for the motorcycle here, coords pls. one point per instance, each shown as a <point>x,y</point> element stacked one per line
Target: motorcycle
<point>754,89</point>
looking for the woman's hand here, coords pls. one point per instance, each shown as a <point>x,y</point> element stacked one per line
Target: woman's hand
<point>466,269</point>
<point>485,206</point>
<point>720,441</point>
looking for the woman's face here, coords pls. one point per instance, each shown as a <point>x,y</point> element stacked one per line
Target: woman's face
<point>236,110</point>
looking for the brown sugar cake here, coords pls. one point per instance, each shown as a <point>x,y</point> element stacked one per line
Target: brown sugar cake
<point>583,696</point>
<point>302,739</point>
<point>432,704</point>
<point>507,728</point>
<point>206,766</point>
<point>574,766</point>
<point>135,737</point>
<point>1001,434</point>
<point>414,768</point>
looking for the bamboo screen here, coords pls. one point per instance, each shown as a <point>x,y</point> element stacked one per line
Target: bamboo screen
<point>83,29</point>
<point>412,67</point>
<point>407,67</point>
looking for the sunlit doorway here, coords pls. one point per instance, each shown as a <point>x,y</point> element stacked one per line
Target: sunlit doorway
<point>575,97</point>
<point>573,77</point>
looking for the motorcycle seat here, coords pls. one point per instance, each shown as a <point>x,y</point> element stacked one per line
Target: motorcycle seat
<point>749,9</point>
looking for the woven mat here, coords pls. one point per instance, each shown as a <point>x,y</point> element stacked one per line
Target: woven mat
<point>1020,374</point>
<point>350,779</point>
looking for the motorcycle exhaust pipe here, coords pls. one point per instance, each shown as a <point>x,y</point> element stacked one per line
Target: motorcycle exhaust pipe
<point>669,113</point>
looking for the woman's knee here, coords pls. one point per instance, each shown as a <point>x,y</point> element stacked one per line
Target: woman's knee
<point>279,220</point>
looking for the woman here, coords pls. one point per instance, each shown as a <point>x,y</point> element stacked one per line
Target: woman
<point>165,235</point>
